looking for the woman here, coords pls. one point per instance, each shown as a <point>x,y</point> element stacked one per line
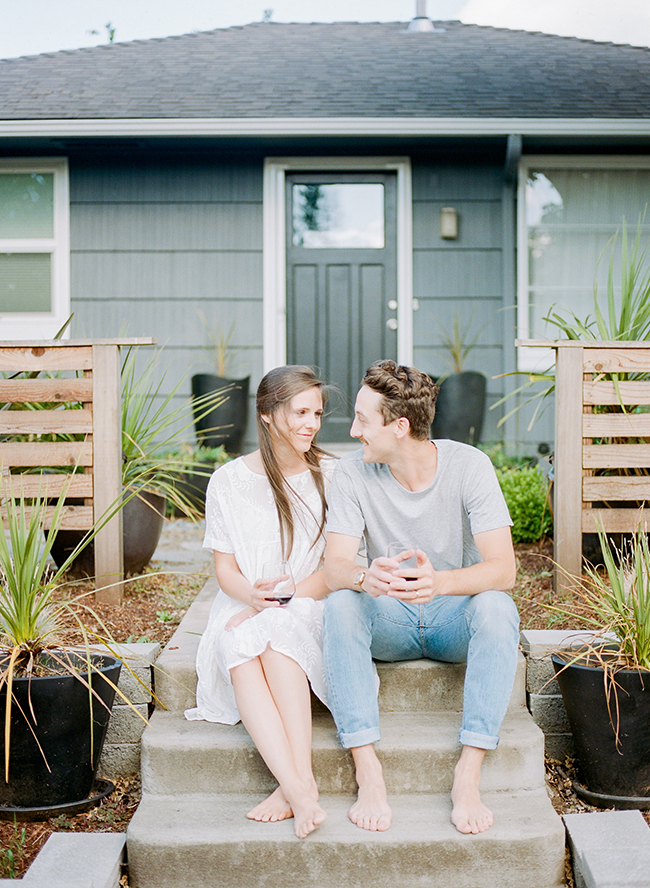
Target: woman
<point>256,657</point>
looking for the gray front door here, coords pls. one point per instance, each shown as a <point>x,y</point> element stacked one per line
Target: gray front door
<point>341,281</point>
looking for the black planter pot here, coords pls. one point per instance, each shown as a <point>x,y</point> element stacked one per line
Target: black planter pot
<point>615,773</point>
<point>226,424</point>
<point>61,725</point>
<point>460,407</point>
<point>142,523</point>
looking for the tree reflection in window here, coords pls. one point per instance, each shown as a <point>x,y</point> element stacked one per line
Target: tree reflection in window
<point>341,215</point>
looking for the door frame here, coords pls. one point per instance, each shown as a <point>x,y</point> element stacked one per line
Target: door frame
<point>275,252</point>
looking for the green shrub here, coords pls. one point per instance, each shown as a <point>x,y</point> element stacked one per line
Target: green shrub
<point>526,493</point>
<point>501,459</point>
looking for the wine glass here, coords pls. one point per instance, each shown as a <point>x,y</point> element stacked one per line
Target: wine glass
<point>279,578</point>
<point>394,549</point>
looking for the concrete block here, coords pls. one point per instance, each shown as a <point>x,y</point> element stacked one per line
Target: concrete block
<point>119,760</point>
<point>126,726</point>
<point>611,849</point>
<point>78,860</point>
<point>538,642</point>
<point>549,713</point>
<point>136,680</point>
<point>559,746</point>
<point>540,676</point>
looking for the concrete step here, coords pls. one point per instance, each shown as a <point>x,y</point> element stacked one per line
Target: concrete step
<point>419,751</point>
<point>418,685</point>
<point>199,841</point>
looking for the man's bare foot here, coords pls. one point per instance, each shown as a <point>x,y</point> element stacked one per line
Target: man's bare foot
<point>371,810</point>
<point>469,815</point>
<point>272,809</point>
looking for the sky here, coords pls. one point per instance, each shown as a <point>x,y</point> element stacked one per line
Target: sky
<point>28,27</point>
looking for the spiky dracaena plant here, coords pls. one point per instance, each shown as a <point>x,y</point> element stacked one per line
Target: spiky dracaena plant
<point>151,426</point>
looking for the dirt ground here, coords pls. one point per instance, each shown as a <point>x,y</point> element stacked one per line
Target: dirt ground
<point>154,606</point>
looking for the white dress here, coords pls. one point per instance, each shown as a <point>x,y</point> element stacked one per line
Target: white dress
<point>241,519</point>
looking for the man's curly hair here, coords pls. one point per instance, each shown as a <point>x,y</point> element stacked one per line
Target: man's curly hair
<point>405,392</point>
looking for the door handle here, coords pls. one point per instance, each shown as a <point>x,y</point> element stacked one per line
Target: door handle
<point>391,323</point>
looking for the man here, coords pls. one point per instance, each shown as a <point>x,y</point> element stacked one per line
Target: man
<point>443,498</point>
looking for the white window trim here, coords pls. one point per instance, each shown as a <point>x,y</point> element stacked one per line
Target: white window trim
<point>274,240</point>
<point>540,359</point>
<point>43,325</point>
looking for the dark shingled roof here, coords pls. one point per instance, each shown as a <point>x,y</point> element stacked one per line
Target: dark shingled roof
<point>345,69</point>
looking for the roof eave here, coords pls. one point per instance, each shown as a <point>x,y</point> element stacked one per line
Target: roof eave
<point>327,126</point>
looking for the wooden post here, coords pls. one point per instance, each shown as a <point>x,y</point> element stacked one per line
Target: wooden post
<point>107,472</point>
<point>567,484</point>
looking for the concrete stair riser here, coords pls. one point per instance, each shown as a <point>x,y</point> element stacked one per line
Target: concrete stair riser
<point>421,850</point>
<point>420,685</point>
<point>418,752</point>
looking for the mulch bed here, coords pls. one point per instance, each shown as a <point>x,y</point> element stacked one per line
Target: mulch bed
<point>21,842</point>
<point>154,606</point>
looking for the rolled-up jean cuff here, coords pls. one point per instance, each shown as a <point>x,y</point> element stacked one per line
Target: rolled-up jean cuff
<point>482,741</point>
<point>359,738</point>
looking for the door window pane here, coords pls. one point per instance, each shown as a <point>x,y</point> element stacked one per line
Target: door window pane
<point>25,282</point>
<point>343,216</point>
<point>26,205</point>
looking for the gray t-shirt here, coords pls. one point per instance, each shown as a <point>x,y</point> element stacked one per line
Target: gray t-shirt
<point>366,501</point>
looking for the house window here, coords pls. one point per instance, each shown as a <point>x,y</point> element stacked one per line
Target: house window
<point>34,247</point>
<point>570,208</point>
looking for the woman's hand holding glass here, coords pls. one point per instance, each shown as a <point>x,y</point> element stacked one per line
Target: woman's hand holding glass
<point>275,588</point>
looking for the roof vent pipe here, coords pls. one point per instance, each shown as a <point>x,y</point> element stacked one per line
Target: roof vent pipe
<point>422,23</point>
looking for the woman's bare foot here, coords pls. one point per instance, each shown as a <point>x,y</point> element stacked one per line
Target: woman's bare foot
<point>272,809</point>
<point>371,810</point>
<point>469,814</point>
<point>308,815</point>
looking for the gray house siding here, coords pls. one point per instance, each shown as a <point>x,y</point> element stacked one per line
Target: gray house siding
<point>155,243</point>
<point>460,278</point>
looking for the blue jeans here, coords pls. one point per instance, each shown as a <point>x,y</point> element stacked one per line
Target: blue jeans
<point>482,630</point>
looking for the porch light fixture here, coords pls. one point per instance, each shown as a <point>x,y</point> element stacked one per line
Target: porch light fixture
<point>448,223</point>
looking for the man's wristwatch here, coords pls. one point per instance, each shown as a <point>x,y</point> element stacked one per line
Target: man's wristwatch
<point>358,580</point>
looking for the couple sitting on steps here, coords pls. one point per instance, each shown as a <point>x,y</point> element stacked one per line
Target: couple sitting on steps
<point>291,501</point>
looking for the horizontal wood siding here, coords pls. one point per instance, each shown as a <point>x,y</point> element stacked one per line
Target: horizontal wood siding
<point>462,277</point>
<point>154,243</point>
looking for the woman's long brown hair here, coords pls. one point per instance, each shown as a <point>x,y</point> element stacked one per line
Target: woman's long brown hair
<point>274,395</point>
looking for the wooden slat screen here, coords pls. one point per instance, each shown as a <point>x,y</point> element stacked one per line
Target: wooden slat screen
<point>79,437</point>
<point>622,393</point>
<point>602,448</point>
